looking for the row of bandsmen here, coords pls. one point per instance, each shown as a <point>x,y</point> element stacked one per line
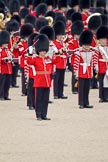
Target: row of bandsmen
<point>62,47</point>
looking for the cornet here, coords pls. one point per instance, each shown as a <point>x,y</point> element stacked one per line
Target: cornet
<point>50,20</point>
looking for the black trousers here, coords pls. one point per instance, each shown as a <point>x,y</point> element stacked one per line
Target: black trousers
<point>23,82</point>
<point>59,82</point>
<point>84,87</point>
<point>73,82</point>
<point>31,93</point>
<point>4,85</point>
<point>103,92</point>
<point>15,68</point>
<point>42,98</point>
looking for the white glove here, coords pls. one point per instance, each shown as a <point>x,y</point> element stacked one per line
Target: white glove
<point>30,49</point>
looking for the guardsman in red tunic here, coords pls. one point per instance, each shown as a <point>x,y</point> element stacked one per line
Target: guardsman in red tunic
<point>49,31</point>
<point>13,27</point>
<point>62,7</point>
<point>84,60</point>
<point>25,32</point>
<point>5,65</point>
<point>102,36</point>
<point>73,45</point>
<point>42,79</point>
<point>94,22</point>
<point>74,4</point>
<point>60,59</point>
<point>85,10</point>
<point>30,73</point>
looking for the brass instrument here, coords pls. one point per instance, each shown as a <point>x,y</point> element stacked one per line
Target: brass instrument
<point>8,17</point>
<point>76,84</point>
<point>2,24</point>
<point>50,20</point>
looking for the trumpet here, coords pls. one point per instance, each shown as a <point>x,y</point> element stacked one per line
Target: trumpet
<point>50,20</point>
<point>8,17</point>
<point>2,24</point>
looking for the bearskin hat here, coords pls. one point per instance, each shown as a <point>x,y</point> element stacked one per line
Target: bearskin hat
<point>29,2</point>
<point>12,25</point>
<point>31,39</point>
<point>41,9</point>
<point>14,6</point>
<point>73,3</point>
<point>51,13</point>
<point>69,14</point>
<point>58,14</point>
<point>101,3</point>
<point>61,18</point>
<point>2,5</point>
<point>94,22</point>
<point>30,19</point>
<point>104,19</point>
<point>99,10</point>
<point>77,27</point>
<point>76,16</point>
<point>24,12</point>
<point>42,43</point>
<point>86,38</point>
<point>4,37</point>
<point>59,28</point>
<point>49,31</point>
<point>23,3</point>
<point>40,22</point>
<point>62,3</point>
<point>102,32</point>
<point>36,3</point>
<point>84,4</point>
<point>17,18</point>
<point>26,30</point>
<point>50,2</point>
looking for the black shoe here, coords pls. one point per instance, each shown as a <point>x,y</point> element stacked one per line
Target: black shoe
<point>81,107</point>
<point>31,108</point>
<point>75,92</point>
<point>50,102</point>
<point>45,118</point>
<point>63,97</point>
<point>39,118</point>
<point>88,106</point>
<point>23,94</point>
<point>15,86</point>
<point>65,85</point>
<point>6,98</point>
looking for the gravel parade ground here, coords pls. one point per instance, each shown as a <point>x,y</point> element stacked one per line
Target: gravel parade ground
<point>72,135</point>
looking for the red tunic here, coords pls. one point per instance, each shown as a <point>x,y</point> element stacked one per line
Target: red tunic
<point>5,67</point>
<point>60,60</point>
<point>43,67</point>
<point>83,63</point>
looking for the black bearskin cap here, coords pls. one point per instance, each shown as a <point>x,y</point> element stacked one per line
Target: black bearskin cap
<point>104,19</point>
<point>23,3</point>
<point>40,22</point>
<point>84,4</point>
<point>102,32</point>
<point>26,30</point>
<point>17,18</point>
<point>2,5</point>
<point>73,3</point>
<point>49,31</point>
<point>30,19</point>
<point>29,2</point>
<point>36,3</point>
<point>62,3</point>
<point>86,38</point>
<point>4,37</point>
<point>32,38</point>
<point>77,27</point>
<point>76,16</point>
<point>50,2</point>
<point>42,43</point>
<point>12,25</point>
<point>41,9</point>
<point>69,14</point>
<point>101,3</point>
<point>24,12</point>
<point>61,18</point>
<point>59,28</point>
<point>94,22</point>
<point>51,13</point>
<point>14,6</point>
